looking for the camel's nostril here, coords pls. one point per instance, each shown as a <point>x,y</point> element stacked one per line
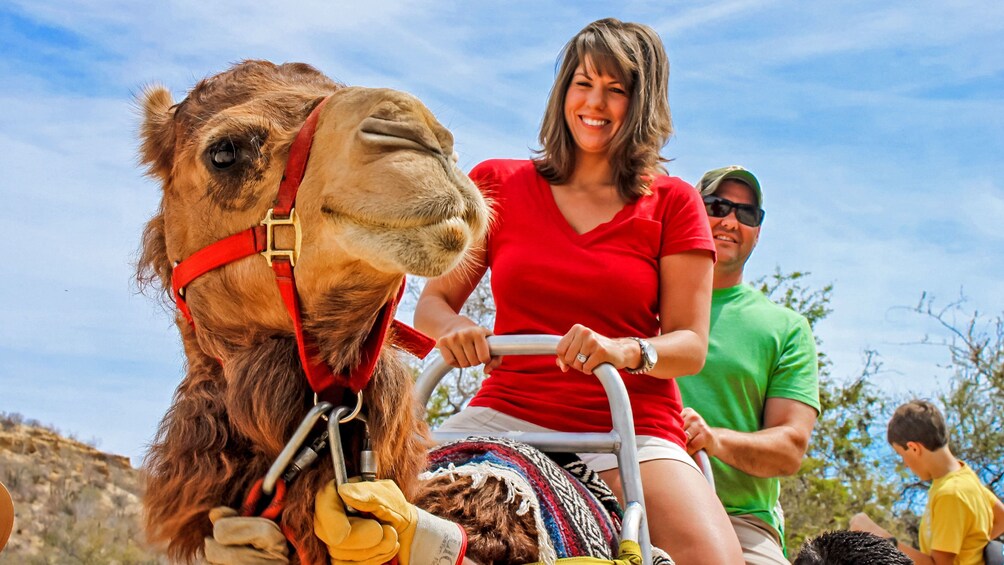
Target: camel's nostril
<point>445,139</point>
<point>403,134</point>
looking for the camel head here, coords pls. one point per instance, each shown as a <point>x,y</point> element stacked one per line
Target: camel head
<point>381,196</point>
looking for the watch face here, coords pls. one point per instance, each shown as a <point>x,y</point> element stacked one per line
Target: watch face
<point>648,352</point>
<point>648,357</point>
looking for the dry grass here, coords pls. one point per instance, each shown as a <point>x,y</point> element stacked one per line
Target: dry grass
<point>73,504</point>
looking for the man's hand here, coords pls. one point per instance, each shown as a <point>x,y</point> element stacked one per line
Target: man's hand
<point>699,434</point>
<point>775,450</point>
<point>425,539</point>
<point>241,540</point>
<point>351,540</point>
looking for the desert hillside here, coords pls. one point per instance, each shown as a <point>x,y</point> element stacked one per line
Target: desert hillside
<point>73,504</point>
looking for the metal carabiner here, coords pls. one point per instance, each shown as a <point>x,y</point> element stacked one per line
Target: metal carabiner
<point>367,466</point>
<point>335,444</point>
<point>292,446</point>
<point>355,411</point>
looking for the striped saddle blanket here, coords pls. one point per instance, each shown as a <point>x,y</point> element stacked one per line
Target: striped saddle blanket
<point>575,512</point>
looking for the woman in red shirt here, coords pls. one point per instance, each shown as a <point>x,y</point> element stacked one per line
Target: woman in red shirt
<point>592,241</point>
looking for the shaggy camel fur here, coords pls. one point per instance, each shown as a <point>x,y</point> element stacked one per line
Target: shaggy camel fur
<point>381,197</point>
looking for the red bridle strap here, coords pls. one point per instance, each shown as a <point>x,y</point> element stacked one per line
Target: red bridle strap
<point>296,163</point>
<point>257,240</point>
<point>224,251</point>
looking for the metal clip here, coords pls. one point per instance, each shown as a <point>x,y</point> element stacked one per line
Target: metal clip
<point>270,222</point>
<point>293,445</point>
<point>335,443</point>
<point>367,464</point>
<point>306,457</point>
<point>367,461</point>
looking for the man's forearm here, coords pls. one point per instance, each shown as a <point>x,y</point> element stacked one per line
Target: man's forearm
<point>861,522</point>
<point>916,555</point>
<point>772,452</point>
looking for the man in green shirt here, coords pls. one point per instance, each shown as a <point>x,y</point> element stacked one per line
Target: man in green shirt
<point>753,406</point>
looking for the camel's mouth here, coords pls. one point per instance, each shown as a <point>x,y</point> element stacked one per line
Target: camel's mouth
<point>425,214</point>
<point>405,207</point>
<point>412,227</point>
<point>418,245</point>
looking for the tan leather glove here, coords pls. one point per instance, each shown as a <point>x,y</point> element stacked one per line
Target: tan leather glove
<point>351,540</point>
<point>425,539</point>
<point>242,540</point>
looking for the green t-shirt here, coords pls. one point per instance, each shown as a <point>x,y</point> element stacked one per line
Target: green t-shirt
<point>756,350</point>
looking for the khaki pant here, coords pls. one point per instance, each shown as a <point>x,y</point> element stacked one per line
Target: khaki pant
<point>761,545</point>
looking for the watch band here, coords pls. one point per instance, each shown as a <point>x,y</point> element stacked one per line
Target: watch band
<point>647,362</point>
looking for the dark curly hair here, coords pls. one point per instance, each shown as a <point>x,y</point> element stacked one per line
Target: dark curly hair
<point>843,547</point>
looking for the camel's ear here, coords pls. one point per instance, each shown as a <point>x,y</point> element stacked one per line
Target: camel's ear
<point>154,268</point>
<point>157,132</point>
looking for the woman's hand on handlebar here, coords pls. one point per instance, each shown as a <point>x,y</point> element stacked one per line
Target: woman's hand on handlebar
<point>465,344</point>
<point>595,349</point>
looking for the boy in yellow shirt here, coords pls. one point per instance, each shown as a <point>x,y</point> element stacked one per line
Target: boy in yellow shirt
<point>962,515</point>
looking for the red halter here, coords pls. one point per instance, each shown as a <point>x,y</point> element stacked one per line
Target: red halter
<point>259,239</point>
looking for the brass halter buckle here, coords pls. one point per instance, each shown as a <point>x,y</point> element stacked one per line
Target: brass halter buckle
<point>270,222</point>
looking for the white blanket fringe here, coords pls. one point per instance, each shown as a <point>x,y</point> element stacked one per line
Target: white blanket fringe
<point>516,485</point>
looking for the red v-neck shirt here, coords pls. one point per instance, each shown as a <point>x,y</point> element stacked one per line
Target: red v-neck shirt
<point>546,277</point>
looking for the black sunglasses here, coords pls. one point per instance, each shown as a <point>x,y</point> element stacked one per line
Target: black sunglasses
<point>747,214</point>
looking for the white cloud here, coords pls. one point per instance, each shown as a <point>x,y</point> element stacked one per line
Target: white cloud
<point>871,128</point>
<point>707,19</point>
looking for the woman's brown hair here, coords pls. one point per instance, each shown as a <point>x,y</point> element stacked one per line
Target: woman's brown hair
<point>634,54</point>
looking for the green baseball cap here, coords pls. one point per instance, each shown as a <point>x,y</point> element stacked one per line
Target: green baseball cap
<point>711,180</point>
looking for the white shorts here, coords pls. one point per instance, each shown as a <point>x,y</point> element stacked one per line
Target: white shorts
<point>761,544</point>
<point>481,420</point>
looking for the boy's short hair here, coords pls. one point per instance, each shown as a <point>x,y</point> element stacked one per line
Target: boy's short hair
<point>843,547</point>
<point>918,421</point>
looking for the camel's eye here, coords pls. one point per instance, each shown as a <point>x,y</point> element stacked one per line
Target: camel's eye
<point>235,162</point>
<point>223,154</point>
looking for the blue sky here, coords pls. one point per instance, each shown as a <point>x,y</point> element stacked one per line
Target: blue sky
<point>874,127</point>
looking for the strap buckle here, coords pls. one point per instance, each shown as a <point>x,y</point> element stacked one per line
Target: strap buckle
<point>270,222</point>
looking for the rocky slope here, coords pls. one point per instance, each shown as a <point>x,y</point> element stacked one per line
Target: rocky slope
<point>72,503</point>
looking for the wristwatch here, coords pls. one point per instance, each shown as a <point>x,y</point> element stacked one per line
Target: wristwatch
<point>648,357</point>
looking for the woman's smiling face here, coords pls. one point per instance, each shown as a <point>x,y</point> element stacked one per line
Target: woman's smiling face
<point>596,106</point>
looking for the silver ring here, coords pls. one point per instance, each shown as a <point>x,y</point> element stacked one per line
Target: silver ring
<point>581,358</point>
